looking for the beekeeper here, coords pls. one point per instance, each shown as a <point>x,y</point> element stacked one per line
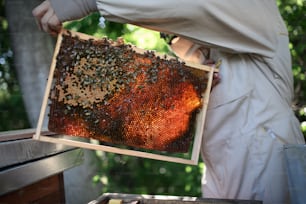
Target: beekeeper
<point>249,116</point>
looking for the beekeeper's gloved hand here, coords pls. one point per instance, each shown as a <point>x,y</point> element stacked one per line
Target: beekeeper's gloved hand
<point>51,13</point>
<point>195,53</point>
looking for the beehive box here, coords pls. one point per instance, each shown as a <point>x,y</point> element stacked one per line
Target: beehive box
<point>116,198</point>
<point>130,101</point>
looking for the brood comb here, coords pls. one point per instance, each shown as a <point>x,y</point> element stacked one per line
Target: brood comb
<point>106,90</point>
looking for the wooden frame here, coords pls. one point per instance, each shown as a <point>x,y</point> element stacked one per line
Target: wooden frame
<point>66,140</point>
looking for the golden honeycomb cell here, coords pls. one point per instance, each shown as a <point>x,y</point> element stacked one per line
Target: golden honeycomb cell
<point>107,91</point>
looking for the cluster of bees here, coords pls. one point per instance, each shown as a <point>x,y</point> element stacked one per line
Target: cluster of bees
<point>88,73</point>
<point>96,81</point>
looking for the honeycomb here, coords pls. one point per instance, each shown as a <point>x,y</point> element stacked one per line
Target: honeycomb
<point>105,90</point>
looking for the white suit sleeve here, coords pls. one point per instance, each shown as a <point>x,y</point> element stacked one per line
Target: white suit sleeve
<point>73,9</point>
<point>238,26</point>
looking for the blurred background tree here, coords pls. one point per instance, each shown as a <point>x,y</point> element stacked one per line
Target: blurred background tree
<point>126,174</point>
<point>12,111</point>
<point>294,13</point>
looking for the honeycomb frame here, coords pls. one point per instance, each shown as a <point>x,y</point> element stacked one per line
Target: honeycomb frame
<point>199,120</point>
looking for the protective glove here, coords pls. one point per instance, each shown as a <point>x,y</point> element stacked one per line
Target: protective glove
<point>189,51</point>
<point>67,10</point>
<point>195,53</point>
<point>51,13</point>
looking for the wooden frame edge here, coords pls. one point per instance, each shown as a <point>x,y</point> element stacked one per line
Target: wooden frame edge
<point>139,50</point>
<point>200,131</point>
<point>196,142</point>
<point>48,87</point>
<point>116,150</point>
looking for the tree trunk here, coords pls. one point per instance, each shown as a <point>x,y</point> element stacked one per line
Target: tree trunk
<point>32,50</point>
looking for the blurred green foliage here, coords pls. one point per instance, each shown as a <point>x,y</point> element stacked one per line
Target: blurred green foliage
<point>12,111</point>
<point>294,13</point>
<point>126,174</point>
<point>141,37</point>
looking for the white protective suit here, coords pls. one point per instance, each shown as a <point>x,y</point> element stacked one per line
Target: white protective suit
<point>249,116</point>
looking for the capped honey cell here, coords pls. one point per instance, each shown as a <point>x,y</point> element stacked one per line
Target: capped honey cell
<point>107,90</point>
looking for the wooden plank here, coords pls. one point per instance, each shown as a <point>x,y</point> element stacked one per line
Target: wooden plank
<point>26,174</point>
<point>48,88</point>
<point>201,121</point>
<point>165,199</point>
<point>16,134</point>
<point>26,150</point>
<point>20,134</point>
<point>116,150</point>
<point>49,190</point>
